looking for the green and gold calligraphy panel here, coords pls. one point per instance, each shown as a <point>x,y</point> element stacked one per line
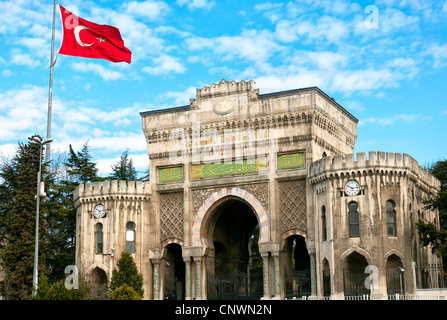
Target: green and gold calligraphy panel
<point>216,170</point>
<point>174,174</point>
<point>290,161</point>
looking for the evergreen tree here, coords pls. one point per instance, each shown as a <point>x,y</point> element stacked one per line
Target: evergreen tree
<point>124,169</point>
<point>18,254</point>
<point>77,168</point>
<point>61,219</point>
<point>80,167</point>
<point>428,231</point>
<point>127,274</point>
<point>8,188</point>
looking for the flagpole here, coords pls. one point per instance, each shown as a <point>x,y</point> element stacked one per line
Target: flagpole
<point>50,91</point>
<point>46,142</point>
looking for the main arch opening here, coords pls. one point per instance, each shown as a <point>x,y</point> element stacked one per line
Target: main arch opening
<point>234,264</point>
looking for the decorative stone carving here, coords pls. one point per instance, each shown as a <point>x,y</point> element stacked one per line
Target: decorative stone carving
<point>259,190</point>
<point>171,209</point>
<point>293,205</point>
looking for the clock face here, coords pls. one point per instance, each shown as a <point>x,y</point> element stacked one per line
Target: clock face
<point>99,211</point>
<point>352,188</point>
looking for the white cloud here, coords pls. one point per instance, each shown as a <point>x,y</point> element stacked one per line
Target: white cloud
<point>24,59</point>
<point>103,72</point>
<point>393,20</point>
<point>303,79</point>
<point>165,65</point>
<point>407,118</point>
<point>180,98</point>
<point>439,53</point>
<point>196,4</point>
<point>325,28</point>
<point>363,80</point>
<point>150,10</point>
<point>24,112</point>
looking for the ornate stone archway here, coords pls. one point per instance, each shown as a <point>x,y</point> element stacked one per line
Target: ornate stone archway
<point>198,232</point>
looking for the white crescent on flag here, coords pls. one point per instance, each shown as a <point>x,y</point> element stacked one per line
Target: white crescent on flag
<point>77,30</point>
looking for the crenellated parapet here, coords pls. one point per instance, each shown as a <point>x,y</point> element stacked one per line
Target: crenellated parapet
<point>224,88</point>
<point>375,163</point>
<point>114,189</point>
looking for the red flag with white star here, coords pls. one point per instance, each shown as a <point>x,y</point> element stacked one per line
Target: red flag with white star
<point>86,39</point>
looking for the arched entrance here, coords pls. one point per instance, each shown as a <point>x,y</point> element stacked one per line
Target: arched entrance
<point>297,267</point>
<point>326,278</point>
<point>234,265</point>
<point>354,275</point>
<point>174,281</point>
<point>97,282</point>
<point>394,275</point>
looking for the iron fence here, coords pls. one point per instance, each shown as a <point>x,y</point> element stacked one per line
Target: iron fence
<point>298,283</point>
<point>431,276</point>
<point>354,284</point>
<point>235,285</point>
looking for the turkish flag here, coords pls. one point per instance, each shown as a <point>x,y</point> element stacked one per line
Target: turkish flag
<point>86,39</point>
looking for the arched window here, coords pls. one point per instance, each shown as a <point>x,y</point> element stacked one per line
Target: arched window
<point>130,237</point>
<point>98,238</point>
<point>391,218</point>
<point>323,220</point>
<point>353,214</point>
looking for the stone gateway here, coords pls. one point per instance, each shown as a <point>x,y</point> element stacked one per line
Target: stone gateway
<point>259,196</point>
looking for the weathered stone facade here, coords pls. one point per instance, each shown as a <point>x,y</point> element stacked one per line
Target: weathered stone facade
<point>234,159</point>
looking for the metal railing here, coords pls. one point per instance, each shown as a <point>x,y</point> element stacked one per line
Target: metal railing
<point>430,276</point>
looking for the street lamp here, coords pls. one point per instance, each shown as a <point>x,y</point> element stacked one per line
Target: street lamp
<point>40,193</point>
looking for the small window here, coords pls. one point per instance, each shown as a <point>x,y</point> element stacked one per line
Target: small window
<point>354,230</point>
<point>130,237</point>
<point>391,218</point>
<point>99,238</point>
<point>323,220</point>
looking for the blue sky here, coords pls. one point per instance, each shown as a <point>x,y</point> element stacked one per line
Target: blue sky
<point>388,67</point>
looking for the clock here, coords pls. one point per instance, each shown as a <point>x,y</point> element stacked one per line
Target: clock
<point>352,188</point>
<point>100,211</point>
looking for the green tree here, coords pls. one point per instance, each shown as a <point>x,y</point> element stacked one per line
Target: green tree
<point>58,291</point>
<point>8,188</point>
<point>428,231</point>
<point>80,166</point>
<point>18,253</point>
<point>124,169</point>
<point>61,218</point>
<point>68,172</point>
<point>124,292</point>
<point>127,274</point>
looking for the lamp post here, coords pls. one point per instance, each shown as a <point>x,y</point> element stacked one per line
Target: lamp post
<point>40,193</point>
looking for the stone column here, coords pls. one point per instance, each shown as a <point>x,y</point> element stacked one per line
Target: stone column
<point>156,264</point>
<point>313,273</point>
<point>198,263</point>
<point>187,279</point>
<point>265,270</point>
<point>277,279</point>
<point>154,256</point>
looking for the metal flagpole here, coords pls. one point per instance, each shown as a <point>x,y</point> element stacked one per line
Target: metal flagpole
<point>46,142</point>
<point>50,93</point>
